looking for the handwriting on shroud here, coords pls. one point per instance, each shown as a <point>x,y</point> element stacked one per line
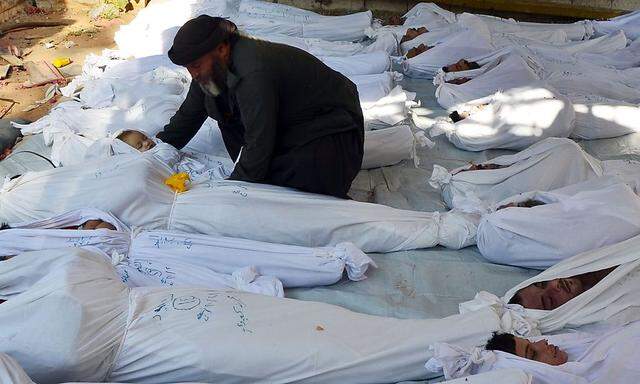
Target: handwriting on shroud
<point>203,308</point>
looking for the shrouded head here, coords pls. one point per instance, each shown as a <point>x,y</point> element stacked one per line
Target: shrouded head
<point>137,140</point>
<point>548,295</point>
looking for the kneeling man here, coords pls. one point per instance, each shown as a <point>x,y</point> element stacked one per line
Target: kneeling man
<point>286,117</point>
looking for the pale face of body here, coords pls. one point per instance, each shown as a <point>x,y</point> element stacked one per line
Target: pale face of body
<point>137,140</point>
<point>549,295</point>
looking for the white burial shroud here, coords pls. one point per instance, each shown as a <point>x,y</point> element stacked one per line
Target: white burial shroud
<point>461,44</point>
<point>549,164</point>
<point>510,71</point>
<point>567,224</point>
<point>513,119</point>
<point>615,299</point>
<point>132,188</point>
<point>154,28</point>
<point>601,118</point>
<point>140,259</point>
<point>388,146</point>
<point>175,258</point>
<point>199,166</point>
<point>109,332</point>
<point>429,15</point>
<point>111,104</point>
<point>12,373</point>
<point>275,214</point>
<point>580,30</point>
<point>593,357</point>
<point>628,23</point>
<point>129,186</point>
<point>498,376</point>
<point>362,64</point>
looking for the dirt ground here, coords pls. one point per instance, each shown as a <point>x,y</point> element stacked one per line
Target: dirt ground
<point>75,41</point>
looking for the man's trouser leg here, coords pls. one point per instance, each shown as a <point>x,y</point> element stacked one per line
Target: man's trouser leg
<point>326,165</point>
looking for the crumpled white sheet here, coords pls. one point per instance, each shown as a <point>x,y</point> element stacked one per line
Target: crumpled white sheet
<point>613,300</point>
<point>385,42</point>
<point>627,23</point>
<point>153,29</point>
<point>388,146</point>
<point>549,164</point>
<point>513,119</point>
<point>580,30</point>
<point>111,104</point>
<point>199,166</point>
<point>151,258</point>
<point>11,372</point>
<point>428,14</point>
<point>362,64</point>
<point>111,333</point>
<point>568,224</point>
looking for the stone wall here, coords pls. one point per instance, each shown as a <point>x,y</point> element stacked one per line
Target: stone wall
<point>578,9</point>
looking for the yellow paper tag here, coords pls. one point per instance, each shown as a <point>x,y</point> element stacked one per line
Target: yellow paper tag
<point>178,182</point>
<point>61,62</point>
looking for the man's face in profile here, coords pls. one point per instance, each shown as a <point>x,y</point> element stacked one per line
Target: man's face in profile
<point>210,72</point>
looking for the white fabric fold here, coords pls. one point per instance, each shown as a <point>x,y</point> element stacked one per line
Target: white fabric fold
<point>567,224</point>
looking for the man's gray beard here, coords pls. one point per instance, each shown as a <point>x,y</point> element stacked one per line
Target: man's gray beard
<point>210,88</point>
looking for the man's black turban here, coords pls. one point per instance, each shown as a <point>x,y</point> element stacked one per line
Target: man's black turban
<point>199,36</point>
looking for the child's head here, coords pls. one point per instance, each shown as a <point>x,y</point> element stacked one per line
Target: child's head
<point>137,140</point>
<point>539,350</point>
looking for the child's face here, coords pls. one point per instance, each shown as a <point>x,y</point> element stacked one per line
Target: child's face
<point>138,141</point>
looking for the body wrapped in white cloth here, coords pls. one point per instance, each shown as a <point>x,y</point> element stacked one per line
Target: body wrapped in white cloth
<point>108,332</point>
<point>608,356</point>
<point>147,255</point>
<point>513,119</point>
<point>614,299</point>
<point>226,208</point>
<point>549,164</point>
<point>567,223</point>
